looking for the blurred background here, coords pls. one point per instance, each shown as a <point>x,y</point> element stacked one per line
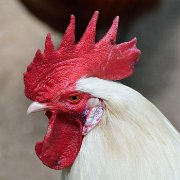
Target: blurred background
<point>23,27</point>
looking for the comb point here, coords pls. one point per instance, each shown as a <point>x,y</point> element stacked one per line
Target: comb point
<point>88,38</point>
<point>49,47</point>
<point>69,36</point>
<point>110,36</point>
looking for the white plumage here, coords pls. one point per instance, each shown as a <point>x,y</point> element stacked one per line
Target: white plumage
<point>133,141</point>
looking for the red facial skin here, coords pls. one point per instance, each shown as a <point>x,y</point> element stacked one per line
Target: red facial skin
<point>63,140</point>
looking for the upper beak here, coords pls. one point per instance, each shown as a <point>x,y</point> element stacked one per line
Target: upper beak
<point>35,107</point>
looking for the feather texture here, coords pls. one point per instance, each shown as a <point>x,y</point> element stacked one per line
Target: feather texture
<point>134,140</point>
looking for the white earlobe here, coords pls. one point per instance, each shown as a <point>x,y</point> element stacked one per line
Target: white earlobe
<point>92,102</point>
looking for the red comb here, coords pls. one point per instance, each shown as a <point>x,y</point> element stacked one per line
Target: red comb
<point>55,70</point>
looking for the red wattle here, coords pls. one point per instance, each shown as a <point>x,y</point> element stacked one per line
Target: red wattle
<point>62,142</point>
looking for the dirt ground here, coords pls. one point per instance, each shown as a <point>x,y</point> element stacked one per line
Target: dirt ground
<point>157,77</point>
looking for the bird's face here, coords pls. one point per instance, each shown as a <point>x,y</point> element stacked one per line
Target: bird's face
<point>71,116</point>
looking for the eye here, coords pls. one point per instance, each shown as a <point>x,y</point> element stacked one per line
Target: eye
<point>74,98</point>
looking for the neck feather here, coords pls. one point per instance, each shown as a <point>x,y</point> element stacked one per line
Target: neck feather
<point>133,140</point>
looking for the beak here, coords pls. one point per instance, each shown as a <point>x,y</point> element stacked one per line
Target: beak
<point>35,107</point>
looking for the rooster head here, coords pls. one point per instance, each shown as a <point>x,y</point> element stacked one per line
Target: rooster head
<point>50,81</point>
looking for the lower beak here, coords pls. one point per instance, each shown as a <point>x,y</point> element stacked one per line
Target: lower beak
<point>35,107</point>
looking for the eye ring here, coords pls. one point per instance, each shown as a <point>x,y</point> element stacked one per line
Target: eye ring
<point>74,98</point>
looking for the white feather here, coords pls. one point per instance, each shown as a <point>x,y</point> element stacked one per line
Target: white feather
<point>133,141</point>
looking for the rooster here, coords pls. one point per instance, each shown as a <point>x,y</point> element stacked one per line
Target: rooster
<point>98,129</point>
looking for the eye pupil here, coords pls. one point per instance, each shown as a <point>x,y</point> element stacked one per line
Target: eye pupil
<point>74,98</point>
